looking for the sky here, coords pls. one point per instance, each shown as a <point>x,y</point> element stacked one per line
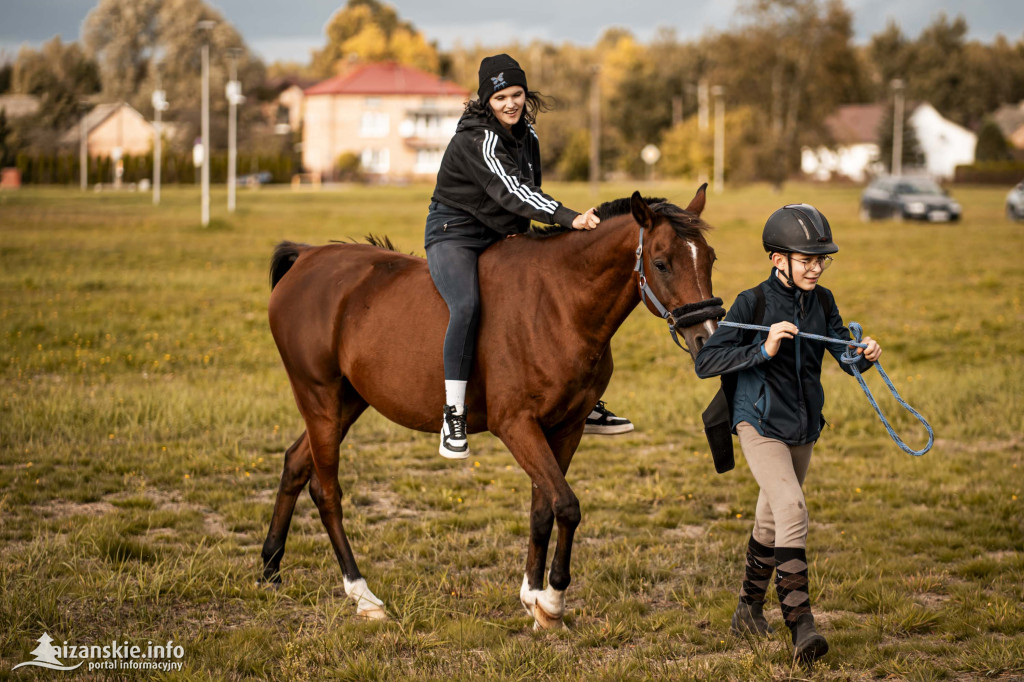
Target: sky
<point>288,31</point>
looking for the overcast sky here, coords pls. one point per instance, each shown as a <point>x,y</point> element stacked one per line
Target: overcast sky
<point>289,30</point>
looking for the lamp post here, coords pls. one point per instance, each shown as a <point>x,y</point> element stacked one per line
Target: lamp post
<point>83,148</point>
<point>235,97</point>
<point>595,130</point>
<point>718,92</point>
<point>159,106</point>
<point>205,27</point>
<point>897,126</point>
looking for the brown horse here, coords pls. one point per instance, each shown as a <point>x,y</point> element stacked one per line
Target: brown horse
<point>359,325</point>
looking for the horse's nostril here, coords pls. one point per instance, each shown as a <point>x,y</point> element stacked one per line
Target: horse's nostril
<point>698,343</point>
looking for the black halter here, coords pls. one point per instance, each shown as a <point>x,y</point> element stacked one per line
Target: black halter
<point>683,316</point>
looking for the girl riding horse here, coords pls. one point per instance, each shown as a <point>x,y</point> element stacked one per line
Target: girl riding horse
<point>488,187</point>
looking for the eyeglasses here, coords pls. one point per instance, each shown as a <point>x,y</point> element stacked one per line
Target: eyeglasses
<point>821,261</point>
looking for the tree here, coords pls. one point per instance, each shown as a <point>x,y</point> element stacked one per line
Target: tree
<point>121,36</point>
<point>992,146</point>
<point>371,31</point>
<point>7,147</point>
<point>912,156</point>
<point>61,75</point>
<point>143,45</point>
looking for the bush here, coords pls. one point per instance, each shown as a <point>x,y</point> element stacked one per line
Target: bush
<point>991,173</point>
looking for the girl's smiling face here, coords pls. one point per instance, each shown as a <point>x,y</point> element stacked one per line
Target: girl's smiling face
<point>508,104</point>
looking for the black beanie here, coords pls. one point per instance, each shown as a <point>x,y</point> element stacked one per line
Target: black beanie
<point>497,73</point>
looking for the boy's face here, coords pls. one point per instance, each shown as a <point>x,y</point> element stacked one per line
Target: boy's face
<point>806,269</point>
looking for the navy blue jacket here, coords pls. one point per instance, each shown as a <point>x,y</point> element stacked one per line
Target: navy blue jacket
<point>494,175</point>
<point>781,397</point>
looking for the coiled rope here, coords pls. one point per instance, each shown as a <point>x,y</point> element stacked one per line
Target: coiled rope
<point>851,358</point>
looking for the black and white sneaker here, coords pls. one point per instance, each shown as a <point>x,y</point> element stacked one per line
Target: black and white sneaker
<point>603,422</point>
<point>453,433</point>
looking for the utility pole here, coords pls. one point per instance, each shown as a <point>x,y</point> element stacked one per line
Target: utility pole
<point>718,91</point>
<point>702,126</point>
<point>159,105</point>
<point>83,149</point>
<point>897,127</point>
<point>234,95</point>
<point>205,27</point>
<point>595,131</point>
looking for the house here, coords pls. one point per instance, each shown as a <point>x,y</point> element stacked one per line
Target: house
<point>1010,119</point>
<point>113,130</point>
<point>855,153</point>
<point>853,130</point>
<point>19,106</point>
<point>396,119</point>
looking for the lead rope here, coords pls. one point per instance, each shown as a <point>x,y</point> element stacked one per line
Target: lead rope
<point>850,358</point>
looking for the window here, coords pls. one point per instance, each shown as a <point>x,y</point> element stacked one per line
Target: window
<point>376,160</point>
<point>428,160</point>
<point>375,124</point>
<point>428,125</point>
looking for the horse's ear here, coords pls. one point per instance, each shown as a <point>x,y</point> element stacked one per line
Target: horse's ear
<point>696,206</point>
<point>642,213</point>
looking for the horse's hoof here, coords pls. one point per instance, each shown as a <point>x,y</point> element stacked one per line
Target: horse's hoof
<point>372,613</point>
<point>542,620</point>
<point>269,583</point>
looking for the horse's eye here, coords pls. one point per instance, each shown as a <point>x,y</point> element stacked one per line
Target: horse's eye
<point>660,265</point>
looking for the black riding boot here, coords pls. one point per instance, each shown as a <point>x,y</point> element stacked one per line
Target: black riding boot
<point>791,585</point>
<point>749,615</point>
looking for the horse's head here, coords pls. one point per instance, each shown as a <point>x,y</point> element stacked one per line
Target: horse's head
<point>674,267</point>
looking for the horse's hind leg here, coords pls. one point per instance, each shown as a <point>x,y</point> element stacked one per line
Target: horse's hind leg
<point>329,411</point>
<point>298,467</point>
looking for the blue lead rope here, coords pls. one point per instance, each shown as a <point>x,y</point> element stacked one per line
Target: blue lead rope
<point>851,358</point>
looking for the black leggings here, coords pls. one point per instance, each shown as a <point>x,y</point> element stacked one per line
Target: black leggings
<point>454,242</point>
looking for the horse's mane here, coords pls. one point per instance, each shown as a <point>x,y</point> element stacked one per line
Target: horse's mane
<point>687,225</point>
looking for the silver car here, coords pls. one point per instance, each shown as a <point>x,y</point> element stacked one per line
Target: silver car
<point>1015,202</point>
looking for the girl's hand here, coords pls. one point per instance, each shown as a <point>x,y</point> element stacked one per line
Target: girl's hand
<point>872,351</point>
<point>776,333</point>
<point>586,221</point>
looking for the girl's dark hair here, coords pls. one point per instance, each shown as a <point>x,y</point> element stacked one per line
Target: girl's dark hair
<point>535,104</point>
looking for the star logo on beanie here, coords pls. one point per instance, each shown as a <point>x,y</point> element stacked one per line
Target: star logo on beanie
<point>499,81</point>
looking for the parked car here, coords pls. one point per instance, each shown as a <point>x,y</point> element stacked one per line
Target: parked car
<point>254,179</point>
<point>1015,202</point>
<point>907,199</point>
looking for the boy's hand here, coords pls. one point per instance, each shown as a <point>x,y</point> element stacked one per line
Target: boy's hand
<point>776,333</point>
<point>872,351</point>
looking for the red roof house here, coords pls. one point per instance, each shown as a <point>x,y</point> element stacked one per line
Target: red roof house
<point>395,118</point>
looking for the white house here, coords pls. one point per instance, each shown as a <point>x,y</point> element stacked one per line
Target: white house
<point>855,152</point>
<point>945,144</point>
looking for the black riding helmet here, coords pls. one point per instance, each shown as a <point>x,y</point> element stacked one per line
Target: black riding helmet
<point>798,228</point>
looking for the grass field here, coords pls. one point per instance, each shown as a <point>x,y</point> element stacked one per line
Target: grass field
<point>144,414</point>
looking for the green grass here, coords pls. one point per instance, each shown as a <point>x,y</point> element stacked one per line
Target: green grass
<point>144,410</point>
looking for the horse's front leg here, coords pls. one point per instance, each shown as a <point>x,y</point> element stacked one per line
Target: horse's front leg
<point>553,501</point>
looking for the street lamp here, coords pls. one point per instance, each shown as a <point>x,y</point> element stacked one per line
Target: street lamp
<point>235,97</point>
<point>718,92</point>
<point>897,127</point>
<point>159,106</point>
<point>205,27</point>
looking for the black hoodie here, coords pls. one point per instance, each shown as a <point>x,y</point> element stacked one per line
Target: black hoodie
<point>494,175</point>
<point>782,396</point>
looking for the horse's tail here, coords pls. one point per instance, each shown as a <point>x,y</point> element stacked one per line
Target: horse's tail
<point>284,257</point>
